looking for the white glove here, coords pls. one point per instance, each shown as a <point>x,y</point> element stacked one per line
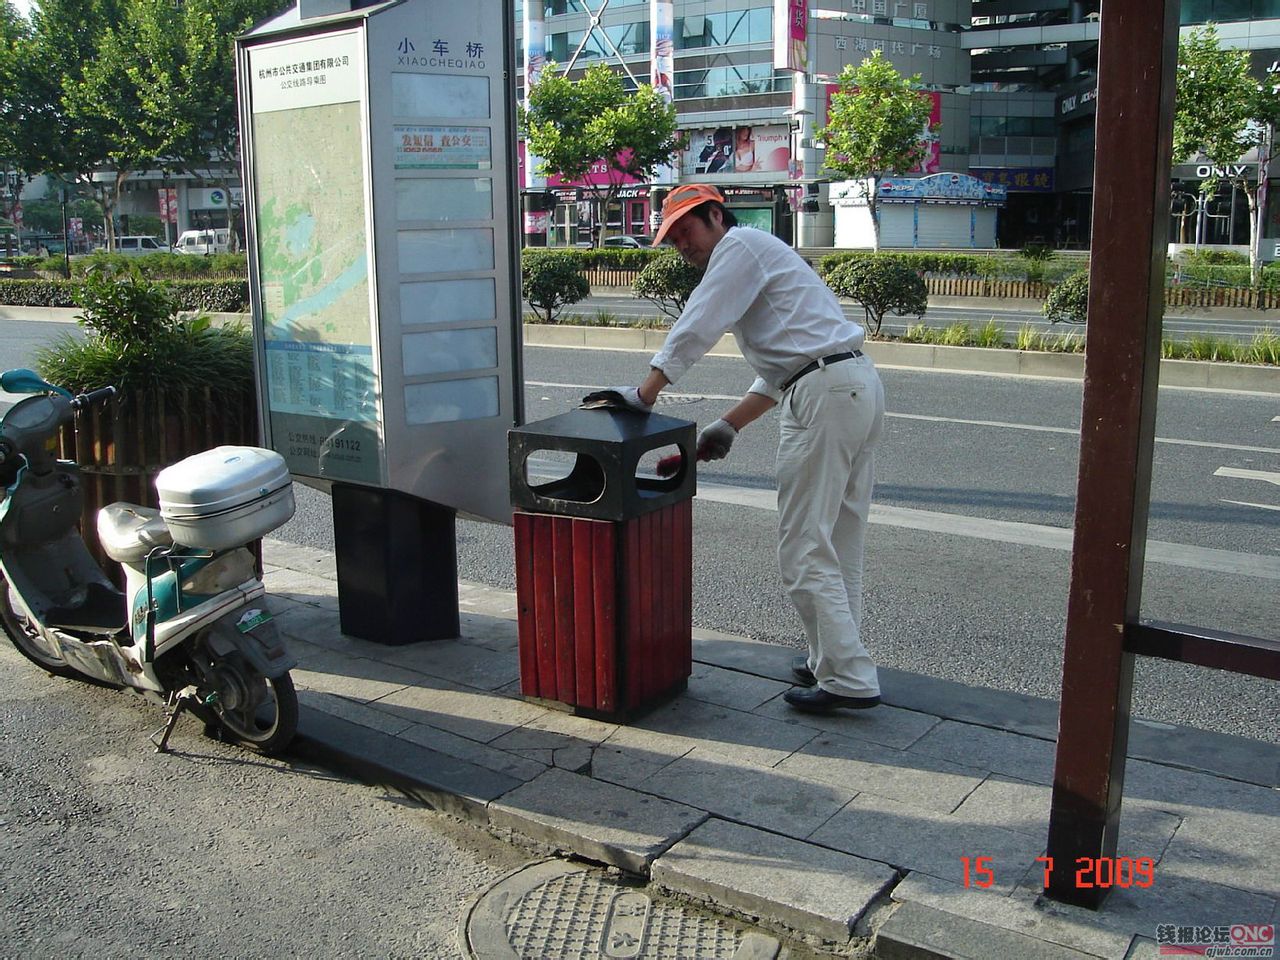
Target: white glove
<point>715,440</point>
<point>617,398</point>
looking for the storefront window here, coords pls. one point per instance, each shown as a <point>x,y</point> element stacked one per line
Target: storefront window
<point>724,29</point>
<point>1227,11</point>
<point>629,38</point>
<point>726,81</point>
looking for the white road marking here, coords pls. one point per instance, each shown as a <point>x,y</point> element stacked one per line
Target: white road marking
<point>1266,476</point>
<point>999,424</point>
<point>1246,503</point>
<point>1000,531</point>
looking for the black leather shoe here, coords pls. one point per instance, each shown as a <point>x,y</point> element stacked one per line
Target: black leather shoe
<point>800,670</point>
<point>817,700</point>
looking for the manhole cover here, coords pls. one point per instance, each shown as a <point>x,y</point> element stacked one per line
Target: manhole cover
<point>565,911</point>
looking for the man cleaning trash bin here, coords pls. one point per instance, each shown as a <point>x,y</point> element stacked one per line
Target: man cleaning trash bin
<point>807,356</point>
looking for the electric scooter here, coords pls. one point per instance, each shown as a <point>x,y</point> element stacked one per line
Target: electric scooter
<point>190,631</point>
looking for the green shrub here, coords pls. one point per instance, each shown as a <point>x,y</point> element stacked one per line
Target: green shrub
<point>1036,257</point>
<point>136,342</point>
<point>667,282</point>
<point>1068,302</point>
<point>880,284</point>
<point>1213,257</point>
<point>38,293</point>
<point>164,265</point>
<point>550,281</point>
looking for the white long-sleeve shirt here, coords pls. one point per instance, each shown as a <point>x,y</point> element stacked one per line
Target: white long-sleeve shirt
<point>782,315</point>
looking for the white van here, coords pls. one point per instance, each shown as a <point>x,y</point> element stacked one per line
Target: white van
<point>138,246</point>
<point>204,241</point>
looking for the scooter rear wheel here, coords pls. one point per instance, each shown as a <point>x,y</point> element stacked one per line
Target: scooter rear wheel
<point>30,643</point>
<point>268,727</point>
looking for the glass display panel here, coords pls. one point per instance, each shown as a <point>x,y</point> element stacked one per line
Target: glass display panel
<point>445,251</point>
<point>450,351</point>
<point>439,95</point>
<point>448,301</point>
<point>444,199</point>
<point>451,400</point>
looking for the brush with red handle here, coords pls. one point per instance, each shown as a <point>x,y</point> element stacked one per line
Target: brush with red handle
<point>669,465</point>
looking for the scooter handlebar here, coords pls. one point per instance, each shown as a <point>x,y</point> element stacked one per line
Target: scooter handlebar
<point>92,397</point>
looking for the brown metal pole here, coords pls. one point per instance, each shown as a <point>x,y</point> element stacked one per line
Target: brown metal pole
<point>1136,58</point>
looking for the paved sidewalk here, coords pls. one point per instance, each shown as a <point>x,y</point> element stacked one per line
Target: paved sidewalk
<point>847,830</point>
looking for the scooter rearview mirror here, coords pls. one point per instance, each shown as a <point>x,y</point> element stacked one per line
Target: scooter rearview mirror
<point>22,380</point>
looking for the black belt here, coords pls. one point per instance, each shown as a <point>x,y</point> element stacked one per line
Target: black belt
<point>815,364</point>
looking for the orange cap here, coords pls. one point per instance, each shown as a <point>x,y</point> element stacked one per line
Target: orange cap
<point>680,201</point>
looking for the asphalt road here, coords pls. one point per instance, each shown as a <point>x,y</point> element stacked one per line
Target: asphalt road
<point>110,850</point>
<point>1180,324</point>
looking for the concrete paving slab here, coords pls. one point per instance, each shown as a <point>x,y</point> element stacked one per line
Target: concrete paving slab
<point>1191,792</point>
<point>1228,847</point>
<point>885,725</point>
<point>600,821</point>
<point>741,736</point>
<point>1024,912</point>
<point>304,621</point>
<point>353,712</point>
<point>798,885</point>
<point>548,747</point>
<point>585,729</point>
<point>771,799</point>
<point>859,766</point>
<point>1237,758</point>
<point>355,678</point>
<point>960,702</point>
<point>523,769</point>
<point>1145,830</point>
<point>1026,758</point>
<point>478,715</point>
<point>436,780</point>
<point>297,556</point>
<point>303,587</point>
<point>466,663</point>
<point>731,688</point>
<point>915,838</point>
<point>917,932</point>
<point>625,766</point>
<point>492,632</point>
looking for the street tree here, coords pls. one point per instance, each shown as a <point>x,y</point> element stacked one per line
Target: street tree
<point>1224,115</point>
<point>82,116</point>
<point>592,125</point>
<point>876,127</point>
<point>182,63</point>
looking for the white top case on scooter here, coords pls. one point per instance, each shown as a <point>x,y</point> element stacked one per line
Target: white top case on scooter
<point>225,497</point>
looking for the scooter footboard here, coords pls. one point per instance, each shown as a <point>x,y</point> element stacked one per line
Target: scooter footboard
<point>255,636</point>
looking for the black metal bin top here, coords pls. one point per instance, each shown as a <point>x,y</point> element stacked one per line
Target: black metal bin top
<point>602,484</point>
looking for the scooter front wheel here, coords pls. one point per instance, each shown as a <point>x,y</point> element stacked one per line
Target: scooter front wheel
<point>31,643</point>
<point>266,722</point>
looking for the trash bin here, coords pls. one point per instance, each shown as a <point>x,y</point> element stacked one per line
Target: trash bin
<point>604,563</point>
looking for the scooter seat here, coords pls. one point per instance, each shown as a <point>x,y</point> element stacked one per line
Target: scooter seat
<point>129,532</point>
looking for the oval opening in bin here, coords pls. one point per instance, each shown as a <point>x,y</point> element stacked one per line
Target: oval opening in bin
<point>563,475</point>
<point>661,469</point>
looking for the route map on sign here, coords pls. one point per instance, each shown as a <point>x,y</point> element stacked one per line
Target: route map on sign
<point>313,273</point>
<point>312,247</point>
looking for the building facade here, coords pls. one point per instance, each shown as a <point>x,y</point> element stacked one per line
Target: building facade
<point>1014,83</point>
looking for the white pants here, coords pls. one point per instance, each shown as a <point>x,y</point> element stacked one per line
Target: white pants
<point>831,421</point>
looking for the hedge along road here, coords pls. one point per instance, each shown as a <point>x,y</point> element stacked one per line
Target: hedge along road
<point>1181,323</point>
<point>967,558</point>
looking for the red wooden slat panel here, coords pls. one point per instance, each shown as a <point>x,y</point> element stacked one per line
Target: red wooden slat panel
<point>664,555</point>
<point>686,584</point>
<point>584,613</point>
<point>544,606</point>
<point>525,613</point>
<point>640,636</point>
<point>562,540</point>
<point>604,560</point>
